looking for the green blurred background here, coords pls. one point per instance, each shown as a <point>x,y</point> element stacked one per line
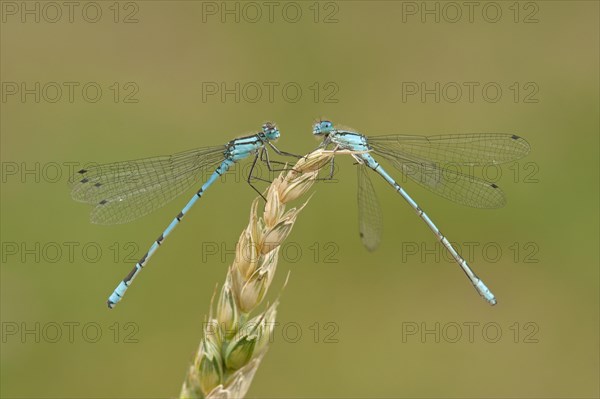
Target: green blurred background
<point>546,276</point>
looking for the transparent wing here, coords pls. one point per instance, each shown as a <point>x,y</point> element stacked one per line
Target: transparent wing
<point>369,213</point>
<point>435,163</point>
<point>125,191</point>
<point>460,188</point>
<point>461,149</point>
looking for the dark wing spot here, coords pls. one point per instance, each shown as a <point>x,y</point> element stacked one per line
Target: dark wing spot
<point>82,171</point>
<point>493,185</point>
<point>103,202</point>
<point>85,180</point>
<point>97,184</point>
<point>515,137</point>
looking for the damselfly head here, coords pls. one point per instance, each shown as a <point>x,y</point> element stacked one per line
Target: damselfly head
<point>323,128</point>
<point>270,130</point>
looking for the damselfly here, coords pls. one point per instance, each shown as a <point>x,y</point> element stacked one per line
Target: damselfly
<point>425,160</point>
<point>124,191</point>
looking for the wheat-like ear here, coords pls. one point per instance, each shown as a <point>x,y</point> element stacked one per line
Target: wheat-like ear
<point>234,344</point>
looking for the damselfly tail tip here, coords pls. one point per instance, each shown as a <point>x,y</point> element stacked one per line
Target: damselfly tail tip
<point>484,291</point>
<point>110,304</point>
